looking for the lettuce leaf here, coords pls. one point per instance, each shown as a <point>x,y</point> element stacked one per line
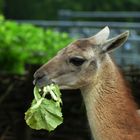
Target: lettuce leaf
<point>45,113</point>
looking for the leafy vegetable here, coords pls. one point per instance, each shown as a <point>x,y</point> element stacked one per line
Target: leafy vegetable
<point>45,113</point>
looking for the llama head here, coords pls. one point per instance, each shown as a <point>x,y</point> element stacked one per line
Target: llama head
<point>78,64</point>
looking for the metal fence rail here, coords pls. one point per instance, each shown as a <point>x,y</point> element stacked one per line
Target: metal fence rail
<point>82,24</point>
<point>127,55</point>
<point>98,14</point>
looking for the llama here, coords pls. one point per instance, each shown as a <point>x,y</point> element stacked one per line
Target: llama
<point>85,64</point>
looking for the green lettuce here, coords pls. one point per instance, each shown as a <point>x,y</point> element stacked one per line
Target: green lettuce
<point>45,113</point>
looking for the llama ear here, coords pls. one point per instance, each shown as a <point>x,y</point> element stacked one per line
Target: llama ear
<point>115,42</point>
<point>100,37</point>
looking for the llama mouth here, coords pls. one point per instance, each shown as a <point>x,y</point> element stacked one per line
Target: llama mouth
<point>42,82</point>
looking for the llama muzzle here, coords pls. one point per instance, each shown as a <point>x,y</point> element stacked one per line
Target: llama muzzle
<point>41,79</point>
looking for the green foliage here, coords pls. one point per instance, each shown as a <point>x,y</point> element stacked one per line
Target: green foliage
<point>22,44</point>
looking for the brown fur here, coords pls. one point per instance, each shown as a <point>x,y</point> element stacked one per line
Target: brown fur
<point>111,110</point>
<point>112,114</point>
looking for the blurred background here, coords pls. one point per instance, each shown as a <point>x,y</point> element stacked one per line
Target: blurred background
<point>32,31</point>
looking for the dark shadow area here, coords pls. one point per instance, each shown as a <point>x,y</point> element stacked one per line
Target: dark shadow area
<point>16,96</point>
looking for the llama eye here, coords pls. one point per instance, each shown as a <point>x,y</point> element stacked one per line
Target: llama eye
<point>77,61</point>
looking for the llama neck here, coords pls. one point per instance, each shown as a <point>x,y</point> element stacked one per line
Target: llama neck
<point>109,107</point>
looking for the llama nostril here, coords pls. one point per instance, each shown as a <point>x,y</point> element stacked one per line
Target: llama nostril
<point>41,79</point>
<point>38,76</point>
